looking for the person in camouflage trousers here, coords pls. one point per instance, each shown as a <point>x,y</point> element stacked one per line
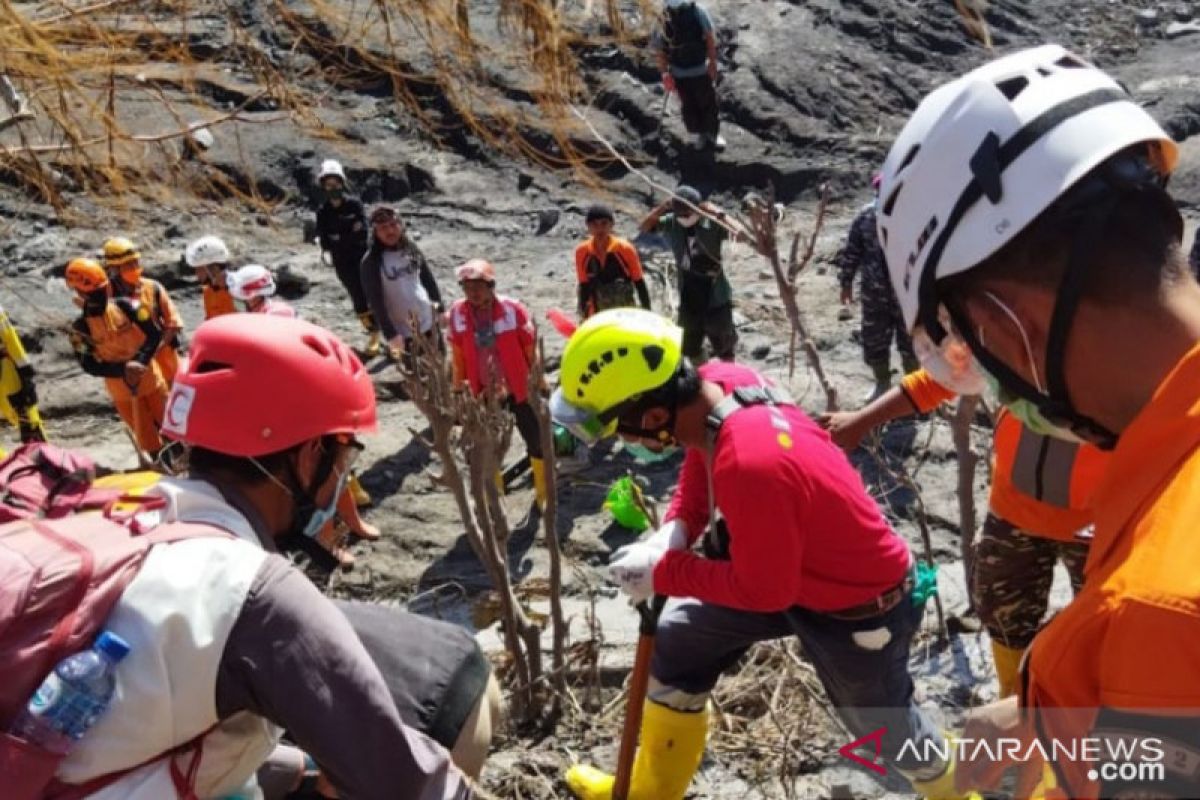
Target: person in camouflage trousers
<point>1014,571</point>
<point>881,318</point>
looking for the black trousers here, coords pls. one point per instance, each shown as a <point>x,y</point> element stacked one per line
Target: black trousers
<point>698,102</point>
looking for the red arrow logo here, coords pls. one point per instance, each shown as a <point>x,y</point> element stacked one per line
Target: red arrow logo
<point>875,738</point>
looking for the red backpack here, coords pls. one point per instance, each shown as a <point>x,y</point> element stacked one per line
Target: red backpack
<point>44,481</point>
<point>59,581</point>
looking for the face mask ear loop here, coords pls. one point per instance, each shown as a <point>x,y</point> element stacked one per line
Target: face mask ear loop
<point>1008,312</point>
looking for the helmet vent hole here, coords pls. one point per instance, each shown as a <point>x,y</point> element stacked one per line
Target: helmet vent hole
<point>317,345</point>
<point>1013,86</point>
<point>653,355</point>
<point>890,202</point>
<point>908,158</point>
<point>211,366</point>
<point>1070,62</point>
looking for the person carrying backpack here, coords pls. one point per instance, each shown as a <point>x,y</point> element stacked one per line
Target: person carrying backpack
<point>800,550</point>
<point>230,643</point>
<point>18,391</point>
<point>1035,249</point>
<point>607,267</point>
<point>123,263</point>
<point>342,232</point>
<point>685,47</point>
<point>115,338</point>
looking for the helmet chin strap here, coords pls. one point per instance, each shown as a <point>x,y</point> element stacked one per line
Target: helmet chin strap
<point>1055,405</point>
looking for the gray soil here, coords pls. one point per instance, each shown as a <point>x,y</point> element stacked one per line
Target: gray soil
<point>812,92</point>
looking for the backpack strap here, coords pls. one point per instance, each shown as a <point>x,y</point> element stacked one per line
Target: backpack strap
<point>745,397</point>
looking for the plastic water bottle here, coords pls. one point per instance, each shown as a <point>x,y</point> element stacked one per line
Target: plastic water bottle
<point>72,697</point>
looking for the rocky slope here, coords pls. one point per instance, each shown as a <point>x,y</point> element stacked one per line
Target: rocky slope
<point>812,91</point>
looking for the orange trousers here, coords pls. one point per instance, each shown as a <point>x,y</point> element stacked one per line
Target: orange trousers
<point>142,410</point>
<point>167,359</point>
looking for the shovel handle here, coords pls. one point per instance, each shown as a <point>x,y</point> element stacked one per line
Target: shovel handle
<point>649,611</point>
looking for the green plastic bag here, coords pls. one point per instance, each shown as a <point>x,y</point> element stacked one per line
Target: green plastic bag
<point>622,502</point>
<point>926,583</point>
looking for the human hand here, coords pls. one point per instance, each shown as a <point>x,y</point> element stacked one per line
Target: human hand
<point>671,535</point>
<point>632,569</point>
<point>668,82</point>
<point>847,296</point>
<point>134,370</point>
<point>712,69</point>
<point>846,428</point>
<point>992,723</point>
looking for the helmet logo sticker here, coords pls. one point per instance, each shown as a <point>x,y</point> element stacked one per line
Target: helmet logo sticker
<point>179,408</point>
<point>922,240</point>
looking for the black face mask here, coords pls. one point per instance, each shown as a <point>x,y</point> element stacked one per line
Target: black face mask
<point>94,302</point>
<point>335,194</point>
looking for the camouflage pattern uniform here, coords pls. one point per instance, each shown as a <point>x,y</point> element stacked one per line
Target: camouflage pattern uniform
<point>881,318</point>
<point>1014,571</point>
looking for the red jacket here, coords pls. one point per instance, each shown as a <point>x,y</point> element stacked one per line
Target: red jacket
<point>803,531</point>
<point>514,345</point>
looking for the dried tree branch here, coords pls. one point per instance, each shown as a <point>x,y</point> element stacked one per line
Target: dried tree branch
<point>960,429</point>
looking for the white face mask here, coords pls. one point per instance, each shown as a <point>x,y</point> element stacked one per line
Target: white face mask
<point>689,220</point>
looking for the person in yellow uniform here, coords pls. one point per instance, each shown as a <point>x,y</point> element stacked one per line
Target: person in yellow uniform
<point>209,257</point>
<point>18,392</point>
<point>115,339</point>
<point>1034,247</point>
<point>124,265</point>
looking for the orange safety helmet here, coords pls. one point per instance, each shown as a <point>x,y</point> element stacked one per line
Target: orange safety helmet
<point>476,270</point>
<point>85,275</point>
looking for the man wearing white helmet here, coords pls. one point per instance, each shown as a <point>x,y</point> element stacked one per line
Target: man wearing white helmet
<point>209,257</point>
<point>1034,249</point>
<point>686,50</point>
<point>342,230</point>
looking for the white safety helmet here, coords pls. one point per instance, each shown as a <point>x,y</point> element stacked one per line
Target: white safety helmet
<point>673,4</point>
<point>331,168</point>
<point>984,155</point>
<point>206,250</point>
<point>250,281</point>
<point>203,138</point>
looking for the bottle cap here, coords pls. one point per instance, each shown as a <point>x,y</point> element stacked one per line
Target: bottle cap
<point>112,646</point>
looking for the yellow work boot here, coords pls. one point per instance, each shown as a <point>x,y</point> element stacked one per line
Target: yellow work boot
<point>361,498</point>
<point>1008,667</point>
<point>538,467</point>
<point>498,478</point>
<point>368,322</point>
<point>672,743</point>
<point>942,787</point>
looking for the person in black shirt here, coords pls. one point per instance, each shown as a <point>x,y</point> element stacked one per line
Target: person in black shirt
<point>342,231</point>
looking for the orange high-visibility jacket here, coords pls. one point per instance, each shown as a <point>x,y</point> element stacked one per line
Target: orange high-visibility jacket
<point>1040,484</point>
<point>1130,641</point>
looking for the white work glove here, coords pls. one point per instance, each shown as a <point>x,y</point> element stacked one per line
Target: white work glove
<point>632,566</point>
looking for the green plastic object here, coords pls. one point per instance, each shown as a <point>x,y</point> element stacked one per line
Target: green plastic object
<point>926,583</point>
<point>622,503</point>
<point>564,442</point>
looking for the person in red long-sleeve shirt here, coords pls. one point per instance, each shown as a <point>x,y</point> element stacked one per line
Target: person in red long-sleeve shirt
<point>793,546</point>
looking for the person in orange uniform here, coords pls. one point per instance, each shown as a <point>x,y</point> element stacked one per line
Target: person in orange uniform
<point>124,266</point>
<point>492,342</point>
<point>210,258</point>
<point>1033,244</point>
<point>1037,514</point>
<point>608,267</point>
<point>115,339</point>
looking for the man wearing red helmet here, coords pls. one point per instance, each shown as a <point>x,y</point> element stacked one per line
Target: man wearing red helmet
<point>231,644</point>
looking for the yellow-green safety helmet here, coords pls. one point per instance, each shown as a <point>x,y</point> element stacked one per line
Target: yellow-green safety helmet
<point>613,358</point>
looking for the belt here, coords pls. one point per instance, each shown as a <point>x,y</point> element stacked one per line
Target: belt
<point>881,604</point>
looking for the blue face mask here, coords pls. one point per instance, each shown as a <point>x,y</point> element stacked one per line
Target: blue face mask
<point>320,516</point>
<point>644,455</point>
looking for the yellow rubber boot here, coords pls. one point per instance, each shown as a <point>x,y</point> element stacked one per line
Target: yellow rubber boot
<point>672,743</point>
<point>538,467</point>
<point>361,498</point>
<point>1008,667</point>
<point>942,788</point>
<point>368,322</point>
<point>498,478</point>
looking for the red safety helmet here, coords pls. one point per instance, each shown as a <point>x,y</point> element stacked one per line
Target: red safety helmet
<point>258,384</point>
<point>476,270</point>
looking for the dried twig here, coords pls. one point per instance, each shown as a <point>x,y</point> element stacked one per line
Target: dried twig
<point>763,236</point>
<point>960,429</point>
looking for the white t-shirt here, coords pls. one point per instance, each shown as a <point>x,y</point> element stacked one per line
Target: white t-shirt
<point>403,293</point>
